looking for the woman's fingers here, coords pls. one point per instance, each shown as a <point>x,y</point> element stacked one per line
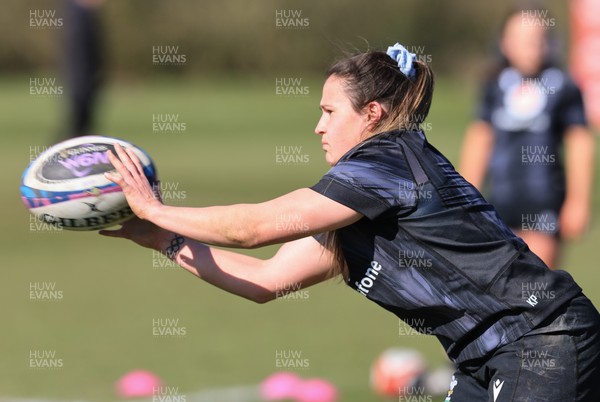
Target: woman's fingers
<point>121,169</point>
<point>142,232</point>
<point>141,177</point>
<point>115,177</point>
<point>128,163</point>
<point>125,167</point>
<point>112,233</point>
<point>125,160</point>
<point>130,177</point>
<point>134,158</point>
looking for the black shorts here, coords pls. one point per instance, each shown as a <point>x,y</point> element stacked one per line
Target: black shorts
<point>558,361</point>
<point>530,218</point>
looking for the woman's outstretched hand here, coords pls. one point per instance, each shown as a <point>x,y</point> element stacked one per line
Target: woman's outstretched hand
<point>144,233</point>
<point>140,195</point>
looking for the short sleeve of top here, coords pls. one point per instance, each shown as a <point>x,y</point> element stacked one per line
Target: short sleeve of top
<point>485,108</point>
<point>570,108</point>
<point>372,179</point>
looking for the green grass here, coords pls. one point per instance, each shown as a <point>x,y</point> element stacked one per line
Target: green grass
<point>102,328</point>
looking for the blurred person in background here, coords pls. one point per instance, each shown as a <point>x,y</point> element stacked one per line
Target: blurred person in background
<point>83,65</point>
<point>531,117</point>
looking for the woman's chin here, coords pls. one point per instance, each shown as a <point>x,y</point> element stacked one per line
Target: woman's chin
<point>330,159</point>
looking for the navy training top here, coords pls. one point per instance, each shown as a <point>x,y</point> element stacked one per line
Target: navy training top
<point>431,250</point>
<point>529,116</point>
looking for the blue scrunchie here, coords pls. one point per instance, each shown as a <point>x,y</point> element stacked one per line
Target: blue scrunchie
<point>404,58</point>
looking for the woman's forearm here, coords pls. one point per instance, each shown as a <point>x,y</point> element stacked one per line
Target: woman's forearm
<point>227,226</point>
<point>233,272</point>
<point>580,149</point>
<point>476,151</point>
<point>296,265</point>
<point>290,217</point>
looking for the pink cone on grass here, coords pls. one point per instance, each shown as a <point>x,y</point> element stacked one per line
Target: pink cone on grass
<point>316,390</point>
<point>137,383</point>
<point>280,386</point>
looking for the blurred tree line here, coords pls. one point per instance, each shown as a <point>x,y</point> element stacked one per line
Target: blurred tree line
<point>224,36</point>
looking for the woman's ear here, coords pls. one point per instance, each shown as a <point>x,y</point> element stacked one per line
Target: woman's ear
<point>374,112</point>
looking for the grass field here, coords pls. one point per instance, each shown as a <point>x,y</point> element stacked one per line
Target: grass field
<point>102,326</point>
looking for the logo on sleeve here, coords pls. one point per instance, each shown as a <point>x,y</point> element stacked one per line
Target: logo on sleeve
<point>497,388</point>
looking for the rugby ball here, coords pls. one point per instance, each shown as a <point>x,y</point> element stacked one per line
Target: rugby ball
<point>398,372</point>
<point>65,185</point>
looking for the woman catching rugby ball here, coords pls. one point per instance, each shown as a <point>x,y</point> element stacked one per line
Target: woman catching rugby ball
<point>388,198</point>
